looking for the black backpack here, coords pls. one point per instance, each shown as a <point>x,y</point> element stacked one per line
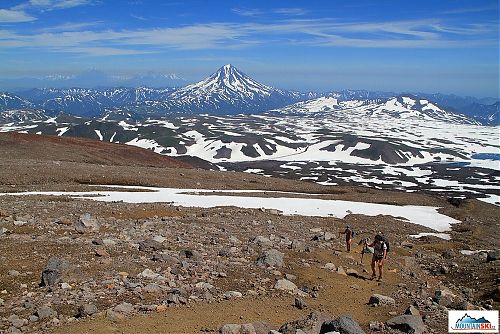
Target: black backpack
<point>384,239</point>
<point>386,242</point>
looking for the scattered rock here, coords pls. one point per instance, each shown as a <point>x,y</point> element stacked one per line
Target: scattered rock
<point>300,303</point>
<point>65,286</point>
<point>330,266</point>
<point>16,321</point>
<point>233,294</point>
<point>444,297</point>
<point>377,299</point>
<point>3,231</point>
<point>262,241</point>
<point>285,285</point>
<point>86,310</point>
<point>311,324</point>
<point>341,271</point>
<point>407,323</point>
<point>101,252</point>
<point>152,288</point>
<point>297,245</point>
<point>54,271</point>
<point>124,308</point>
<point>352,272</point>
<point>149,274</point>
<point>190,254</point>
<point>259,327</point>
<point>86,223</point>
<point>376,326</point>
<point>150,245</point>
<point>108,242</point>
<point>412,310</point>
<point>45,312</point>
<point>493,255</point>
<point>159,238</point>
<point>13,273</point>
<point>344,324</point>
<point>271,258</point>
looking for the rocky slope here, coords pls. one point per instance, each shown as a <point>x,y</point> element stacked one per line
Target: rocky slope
<point>103,266</point>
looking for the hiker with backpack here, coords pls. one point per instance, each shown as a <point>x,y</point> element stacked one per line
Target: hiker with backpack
<point>349,234</point>
<point>380,249</point>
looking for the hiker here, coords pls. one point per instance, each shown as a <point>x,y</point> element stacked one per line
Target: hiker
<point>349,234</point>
<point>379,254</point>
<point>366,249</point>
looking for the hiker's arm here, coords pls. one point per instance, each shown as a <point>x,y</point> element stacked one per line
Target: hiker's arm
<point>385,253</point>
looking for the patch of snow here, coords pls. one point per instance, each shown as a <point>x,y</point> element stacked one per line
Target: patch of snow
<point>421,215</point>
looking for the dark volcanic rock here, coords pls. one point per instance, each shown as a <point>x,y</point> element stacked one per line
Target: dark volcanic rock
<point>407,323</point>
<point>344,324</point>
<point>311,324</point>
<point>493,255</point>
<point>150,245</point>
<point>54,271</point>
<point>271,258</point>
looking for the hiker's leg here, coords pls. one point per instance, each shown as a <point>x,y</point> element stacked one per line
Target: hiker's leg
<point>373,267</point>
<point>380,268</point>
<point>349,242</point>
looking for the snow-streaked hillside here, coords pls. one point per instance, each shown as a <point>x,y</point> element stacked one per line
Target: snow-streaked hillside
<point>10,101</point>
<point>400,107</point>
<point>366,145</point>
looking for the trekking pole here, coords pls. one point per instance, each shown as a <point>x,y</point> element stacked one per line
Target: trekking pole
<point>363,251</point>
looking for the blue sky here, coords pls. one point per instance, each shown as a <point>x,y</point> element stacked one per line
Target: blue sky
<point>428,46</point>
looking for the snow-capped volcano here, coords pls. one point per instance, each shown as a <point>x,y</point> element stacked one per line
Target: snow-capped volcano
<point>229,90</point>
<point>227,82</point>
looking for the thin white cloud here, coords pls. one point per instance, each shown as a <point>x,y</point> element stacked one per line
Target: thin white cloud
<point>473,9</point>
<point>71,26</point>
<point>58,4</point>
<point>49,5</point>
<point>317,33</point>
<point>138,17</point>
<point>14,16</point>
<point>290,11</point>
<point>256,12</point>
<point>249,12</point>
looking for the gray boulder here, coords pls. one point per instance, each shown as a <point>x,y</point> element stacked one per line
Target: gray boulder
<point>150,245</point>
<point>309,325</point>
<point>190,255</point>
<point>412,310</point>
<point>54,271</point>
<point>271,258</point>
<point>285,285</point>
<point>124,307</point>
<point>493,255</point>
<point>407,323</point>
<point>344,324</point>
<point>86,223</point>
<point>262,241</point>
<point>377,299</point>
<point>258,327</point>
<point>45,312</point>
<point>87,310</point>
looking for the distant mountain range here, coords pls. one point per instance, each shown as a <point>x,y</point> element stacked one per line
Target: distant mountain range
<point>228,91</point>
<point>94,79</point>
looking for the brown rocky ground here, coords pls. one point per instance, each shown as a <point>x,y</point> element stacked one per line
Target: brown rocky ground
<point>200,255</point>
